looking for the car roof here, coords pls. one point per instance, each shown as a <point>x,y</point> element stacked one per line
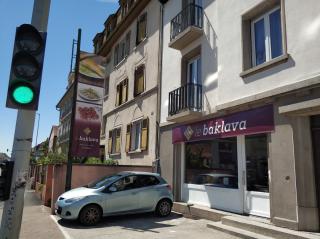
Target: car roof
<point>124,173</point>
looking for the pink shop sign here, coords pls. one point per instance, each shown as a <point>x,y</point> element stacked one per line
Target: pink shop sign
<point>258,120</point>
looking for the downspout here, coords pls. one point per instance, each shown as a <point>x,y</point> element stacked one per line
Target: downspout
<point>159,83</point>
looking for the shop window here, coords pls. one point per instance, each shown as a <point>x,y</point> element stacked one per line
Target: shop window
<point>141,28</point>
<point>139,80</point>
<point>137,136</point>
<point>114,141</point>
<point>122,92</point>
<point>212,163</point>
<point>257,163</point>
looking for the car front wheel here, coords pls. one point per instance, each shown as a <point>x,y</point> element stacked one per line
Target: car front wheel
<point>163,208</point>
<point>90,215</point>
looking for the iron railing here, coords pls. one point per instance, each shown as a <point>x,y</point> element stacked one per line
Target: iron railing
<point>191,15</point>
<point>187,97</point>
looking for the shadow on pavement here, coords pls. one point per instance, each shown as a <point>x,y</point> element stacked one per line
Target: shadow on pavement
<point>135,222</point>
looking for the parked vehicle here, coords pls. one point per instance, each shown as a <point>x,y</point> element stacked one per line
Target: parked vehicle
<point>122,193</point>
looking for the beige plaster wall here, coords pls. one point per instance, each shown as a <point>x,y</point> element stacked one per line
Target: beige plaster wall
<point>142,106</point>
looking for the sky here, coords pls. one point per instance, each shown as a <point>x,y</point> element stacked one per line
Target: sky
<point>65,17</point>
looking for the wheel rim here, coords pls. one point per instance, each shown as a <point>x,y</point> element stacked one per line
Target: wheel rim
<point>164,208</point>
<point>92,216</point>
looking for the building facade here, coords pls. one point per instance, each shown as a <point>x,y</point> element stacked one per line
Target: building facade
<point>240,107</point>
<point>130,42</point>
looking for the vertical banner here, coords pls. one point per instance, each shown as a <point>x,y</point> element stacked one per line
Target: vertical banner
<point>87,122</point>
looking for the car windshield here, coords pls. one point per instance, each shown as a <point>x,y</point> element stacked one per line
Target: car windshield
<point>103,181</point>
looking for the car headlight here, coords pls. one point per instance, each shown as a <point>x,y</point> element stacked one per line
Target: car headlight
<point>72,200</point>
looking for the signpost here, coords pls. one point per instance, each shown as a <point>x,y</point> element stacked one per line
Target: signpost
<point>13,208</point>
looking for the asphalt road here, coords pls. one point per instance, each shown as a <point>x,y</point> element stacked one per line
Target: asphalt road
<point>142,226</point>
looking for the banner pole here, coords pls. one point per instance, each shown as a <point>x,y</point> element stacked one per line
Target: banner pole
<point>73,113</point>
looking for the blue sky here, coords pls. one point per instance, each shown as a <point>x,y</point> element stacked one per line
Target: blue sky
<point>66,16</point>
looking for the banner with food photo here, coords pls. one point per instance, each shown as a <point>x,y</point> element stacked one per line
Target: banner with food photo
<point>86,136</point>
<point>90,94</point>
<point>91,69</point>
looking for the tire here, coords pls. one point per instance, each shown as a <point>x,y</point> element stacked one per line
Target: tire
<point>163,208</point>
<point>90,215</point>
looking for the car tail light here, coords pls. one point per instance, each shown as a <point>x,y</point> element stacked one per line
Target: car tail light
<point>169,187</point>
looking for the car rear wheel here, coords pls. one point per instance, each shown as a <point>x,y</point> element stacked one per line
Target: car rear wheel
<point>90,215</point>
<point>163,208</point>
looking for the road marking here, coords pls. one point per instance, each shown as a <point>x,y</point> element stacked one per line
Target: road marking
<point>64,232</point>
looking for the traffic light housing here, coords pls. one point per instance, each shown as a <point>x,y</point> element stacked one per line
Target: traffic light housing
<point>26,68</point>
<point>6,170</point>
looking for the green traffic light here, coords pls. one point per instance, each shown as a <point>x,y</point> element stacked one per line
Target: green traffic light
<point>23,95</point>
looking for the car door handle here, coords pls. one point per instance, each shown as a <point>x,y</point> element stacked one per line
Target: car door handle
<point>134,193</point>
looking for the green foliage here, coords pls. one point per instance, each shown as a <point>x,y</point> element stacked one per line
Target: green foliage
<point>52,158</point>
<point>93,160</point>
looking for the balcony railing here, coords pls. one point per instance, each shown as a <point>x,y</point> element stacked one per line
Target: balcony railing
<point>192,15</point>
<point>187,97</point>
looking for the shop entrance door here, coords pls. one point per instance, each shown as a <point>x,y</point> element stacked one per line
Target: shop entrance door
<point>315,130</point>
<point>255,171</point>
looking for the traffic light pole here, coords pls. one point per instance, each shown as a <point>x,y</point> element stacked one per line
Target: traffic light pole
<point>22,142</point>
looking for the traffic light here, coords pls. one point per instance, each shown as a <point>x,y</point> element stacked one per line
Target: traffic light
<point>6,170</point>
<point>26,68</point>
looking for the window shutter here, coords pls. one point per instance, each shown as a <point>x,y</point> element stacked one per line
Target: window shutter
<point>141,80</point>
<point>110,142</point>
<point>144,134</point>
<point>118,95</point>
<point>128,139</point>
<point>118,142</point>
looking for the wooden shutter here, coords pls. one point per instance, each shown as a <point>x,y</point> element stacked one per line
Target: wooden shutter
<point>118,142</point>
<point>144,134</point>
<point>128,138</point>
<point>110,142</point>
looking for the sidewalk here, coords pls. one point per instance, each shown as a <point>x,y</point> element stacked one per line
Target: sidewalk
<point>36,221</point>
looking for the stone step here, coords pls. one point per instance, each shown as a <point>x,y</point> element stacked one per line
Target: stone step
<point>265,229</point>
<point>196,211</point>
<point>236,231</point>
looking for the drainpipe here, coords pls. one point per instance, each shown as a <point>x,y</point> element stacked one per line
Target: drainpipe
<point>159,83</point>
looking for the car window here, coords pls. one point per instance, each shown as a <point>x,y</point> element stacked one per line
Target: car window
<point>126,183</point>
<point>147,180</point>
<point>103,181</point>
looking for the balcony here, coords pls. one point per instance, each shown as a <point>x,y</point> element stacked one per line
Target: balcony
<point>185,103</point>
<point>186,27</point>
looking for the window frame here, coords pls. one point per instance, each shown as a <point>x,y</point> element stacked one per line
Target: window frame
<point>103,125</point>
<point>143,69</point>
<point>267,41</point>
<point>143,15</point>
<point>114,136</point>
<point>121,84</point>
<point>133,131</point>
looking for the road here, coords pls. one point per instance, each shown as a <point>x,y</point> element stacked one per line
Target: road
<point>142,226</point>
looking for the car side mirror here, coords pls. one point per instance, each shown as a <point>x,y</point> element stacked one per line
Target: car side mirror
<point>112,189</point>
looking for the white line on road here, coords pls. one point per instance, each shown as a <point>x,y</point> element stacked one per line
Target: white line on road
<point>64,232</point>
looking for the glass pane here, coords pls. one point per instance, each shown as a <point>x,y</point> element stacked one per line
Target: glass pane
<point>257,163</point>
<point>275,33</point>
<point>259,38</point>
<point>212,163</point>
